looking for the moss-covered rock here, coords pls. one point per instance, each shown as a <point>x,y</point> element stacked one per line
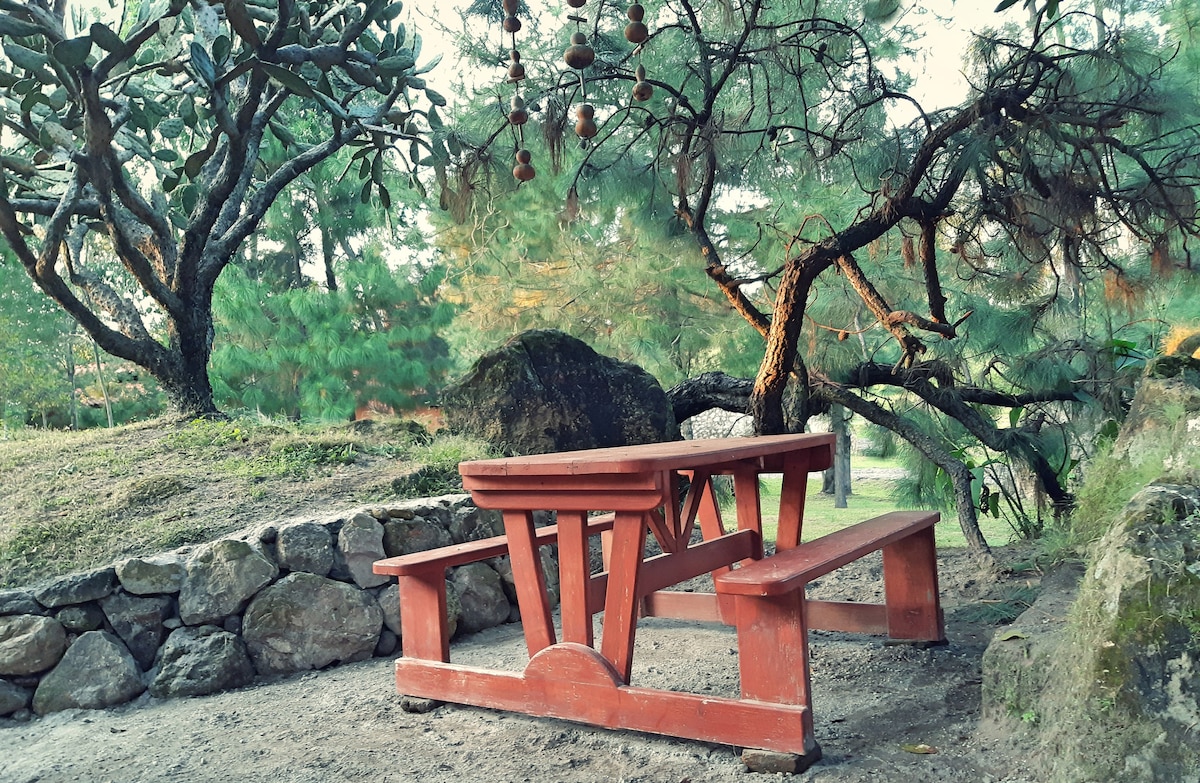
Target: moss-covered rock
<point>545,391</point>
<point>1116,695</point>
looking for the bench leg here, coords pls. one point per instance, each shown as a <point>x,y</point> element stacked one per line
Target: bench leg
<point>423,629</point>
<point>773,654</point>
<point>910,584</point>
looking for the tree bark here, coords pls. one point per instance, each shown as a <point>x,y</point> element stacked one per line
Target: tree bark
<point>709,390</point>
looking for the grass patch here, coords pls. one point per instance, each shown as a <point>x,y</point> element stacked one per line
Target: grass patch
<point>869,498</point>
<point>77,500</point>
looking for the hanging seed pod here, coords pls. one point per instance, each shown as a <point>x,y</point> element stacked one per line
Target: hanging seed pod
<point>523,171</point>
<point>511,24</point>
<point>518,115</point>
<point>579,55</point>
<point>642,89</point>
<point>585,128</point>
<point>516,71</point>
<point>636,31</point>
<point>510,7</point>
<point>576,3</point>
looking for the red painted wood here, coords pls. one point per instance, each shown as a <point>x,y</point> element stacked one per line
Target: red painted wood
<point>529,581</point>
<point>911,585</point>
<point>676,604</point>
<point>423,629</point>
<point>791,499</point>
<point>621,597</point>
<point>567,499</point>
<point>473,551</point>
<point>699,481</point>
<point>747,501</point>
<point>574,573</point>
<point>789,570</point>
<point>846,616</point>
<point>773,654</point>
<point>703,558</point>
<point>661,529</point>
<point>573,682</point>
<point>647,458</point>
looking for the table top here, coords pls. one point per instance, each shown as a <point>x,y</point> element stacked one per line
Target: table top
<point>646,458</point>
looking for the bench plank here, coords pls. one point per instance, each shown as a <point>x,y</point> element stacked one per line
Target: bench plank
<point>474,551</point>
<point>792,569</point>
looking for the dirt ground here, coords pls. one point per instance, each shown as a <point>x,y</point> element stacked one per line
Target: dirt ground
<point>872,705</point>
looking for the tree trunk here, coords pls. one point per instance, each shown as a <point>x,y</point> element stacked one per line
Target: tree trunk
<point>184,377</point>
<point>841,455</point>
<point>103,385</point>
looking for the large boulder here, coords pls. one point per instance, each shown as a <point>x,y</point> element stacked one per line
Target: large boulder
<point>545,391</point>
<point>152,575</point>
<point>13,698</point>
<point>30,644</point>
<point>221,579</point>
<point>305,546</point>
<point>76,588</point>
<point>19,602</point>
<point>138,620</point>
<point>199,661</point>
<point>305,621</point>
<point>1124,689</point>
<point>360,544</point>
<point>96,672</point>
<point>481,595</point>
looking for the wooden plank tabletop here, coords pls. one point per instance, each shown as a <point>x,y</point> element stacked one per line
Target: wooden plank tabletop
<point>645,458</point>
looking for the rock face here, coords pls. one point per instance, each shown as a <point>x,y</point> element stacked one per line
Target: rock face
<point>96,672</point>
<point>221,580</point>
<point>306,547</point>
<point>306,621</point>
<point>206,603</point>
<point>199,661</point>
<point>138,621</point>
<point>360,544</point>
<point>546,391</point>
<point>30,644</point>
<point>1126,685</point>
<point>1117,694</point>
<point>482,597</point>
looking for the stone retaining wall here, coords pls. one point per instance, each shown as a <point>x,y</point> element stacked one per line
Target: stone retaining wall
<point>275,599</point>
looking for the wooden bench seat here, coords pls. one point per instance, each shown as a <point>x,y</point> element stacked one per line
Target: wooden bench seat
<point>911,610</point>
<point>791,569</point>
<point>773,615</point>
<point>474,551</point>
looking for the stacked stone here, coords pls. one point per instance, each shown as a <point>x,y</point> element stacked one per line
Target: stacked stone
<point>279,598</point>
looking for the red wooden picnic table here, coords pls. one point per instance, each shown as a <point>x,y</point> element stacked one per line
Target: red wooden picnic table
<point>569,676</point>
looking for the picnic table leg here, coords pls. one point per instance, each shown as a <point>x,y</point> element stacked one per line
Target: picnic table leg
<point>574,572</point>
<point>791,500</point>
<point>621,601</point>
<point>530,581</point>
<point>910,586</point>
